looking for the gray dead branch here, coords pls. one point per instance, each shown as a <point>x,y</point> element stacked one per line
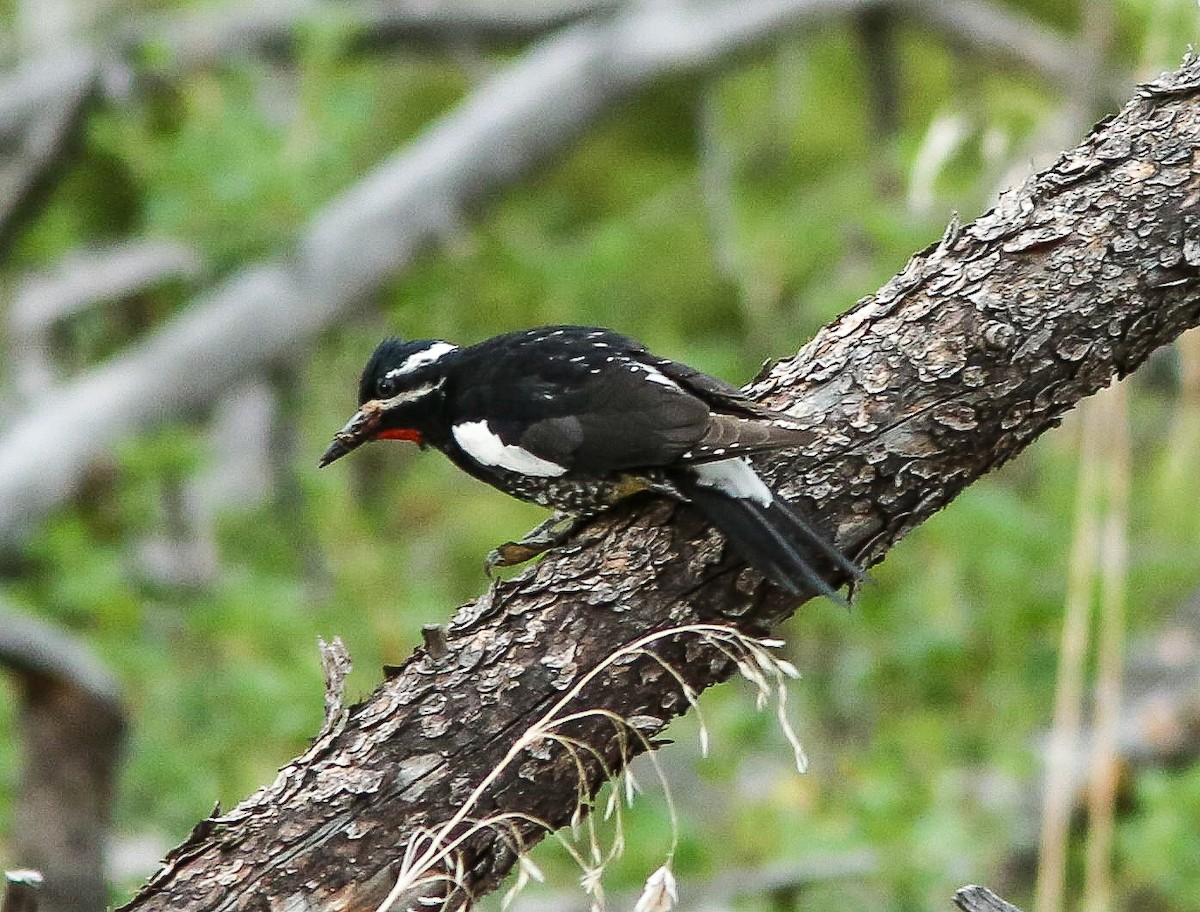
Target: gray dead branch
<point>81,281</point>
<point>20,891</point>
<point>71,722</point>
<point>30,90</point>
<point>1005,34</point>
<point>42,107</point>
<point>95,276</point>
<point>112,277</point>
<point>31,648</point>
<point>43,103</point>
<point>179,42</point>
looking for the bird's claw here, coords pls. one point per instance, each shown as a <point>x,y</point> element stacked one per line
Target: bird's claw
<point>510,554</point>
<point>540,539</point>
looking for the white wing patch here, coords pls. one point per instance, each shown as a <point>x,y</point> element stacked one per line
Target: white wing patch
<point>653,374</point>
<point>656,376</point>
<point>736,478</point>
<point>420,359</point>
<point>478,442</point>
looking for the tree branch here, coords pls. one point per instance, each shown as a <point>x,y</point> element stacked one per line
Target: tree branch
<point>180,42</point>
<point>94,275</point>
<point>42,107</point>
<point>80,281</point>
<point>43,104</point>
<point>979,345</point>
<point>204,37</point>
<point>20,891</point>
<point>1004,33</point>
<point>32,648</point>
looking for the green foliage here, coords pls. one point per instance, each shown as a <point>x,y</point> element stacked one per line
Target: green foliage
<point>921,708</point>
<point>1160,842</point>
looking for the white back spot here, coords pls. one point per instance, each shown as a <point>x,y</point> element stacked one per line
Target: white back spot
<point>656,376</point>
<point>736,478</point>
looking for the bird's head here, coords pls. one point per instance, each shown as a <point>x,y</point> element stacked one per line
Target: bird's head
<point>394,395</point>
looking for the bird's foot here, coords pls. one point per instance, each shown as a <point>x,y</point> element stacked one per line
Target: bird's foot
<point>553,532</point>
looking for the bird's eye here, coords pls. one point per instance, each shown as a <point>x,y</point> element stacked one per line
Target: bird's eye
<point>386,387</point>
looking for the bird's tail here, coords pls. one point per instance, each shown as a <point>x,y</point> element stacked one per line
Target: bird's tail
<point>767,531</point>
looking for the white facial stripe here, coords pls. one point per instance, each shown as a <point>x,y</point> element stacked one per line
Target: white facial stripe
<point>420,359</point>
<point>736,478</point>
<point>478,442</point>
<point>411,395</point>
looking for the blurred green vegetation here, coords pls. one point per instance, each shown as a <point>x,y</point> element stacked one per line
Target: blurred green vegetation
<point>921,708</point>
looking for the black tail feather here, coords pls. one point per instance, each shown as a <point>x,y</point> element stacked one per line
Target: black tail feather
<point>812,537</point>
<point>776,540</point>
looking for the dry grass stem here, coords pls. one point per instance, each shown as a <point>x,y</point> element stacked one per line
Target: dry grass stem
<point>1068,696</point>
<point>432,855</point>
<point>1114,559</point>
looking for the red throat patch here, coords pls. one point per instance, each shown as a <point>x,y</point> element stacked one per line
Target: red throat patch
<point>400,434</point>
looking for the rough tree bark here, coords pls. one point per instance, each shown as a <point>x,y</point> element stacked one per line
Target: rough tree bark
<point>981,899</point>
<point>981,343</point>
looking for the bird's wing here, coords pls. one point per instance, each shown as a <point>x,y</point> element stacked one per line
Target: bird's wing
<point>586,417</point>
<point>717,393</point>
<point>592,401</point>
<point>620,421</point>
<point>739,426</point>
<point>738,435</point>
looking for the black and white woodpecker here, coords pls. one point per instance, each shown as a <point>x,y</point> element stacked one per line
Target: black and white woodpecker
<point>577,419</point>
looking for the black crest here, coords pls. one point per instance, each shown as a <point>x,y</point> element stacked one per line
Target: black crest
<point>389,354</point>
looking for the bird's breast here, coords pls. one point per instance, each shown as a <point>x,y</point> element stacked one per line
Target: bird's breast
<point>576,494</point>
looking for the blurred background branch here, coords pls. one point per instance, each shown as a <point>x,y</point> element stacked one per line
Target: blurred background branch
<point>368,235</point>
<point>70,724</point>
<point>41,113</point>
<point>20,891</point>
<point>207,37</point>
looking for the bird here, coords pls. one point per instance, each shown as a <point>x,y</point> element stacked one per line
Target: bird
<point>581,418</point>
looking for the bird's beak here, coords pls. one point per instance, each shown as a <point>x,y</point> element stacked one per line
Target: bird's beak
<point>358,430</point>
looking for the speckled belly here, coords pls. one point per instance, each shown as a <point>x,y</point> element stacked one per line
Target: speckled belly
<point>582,495</point>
